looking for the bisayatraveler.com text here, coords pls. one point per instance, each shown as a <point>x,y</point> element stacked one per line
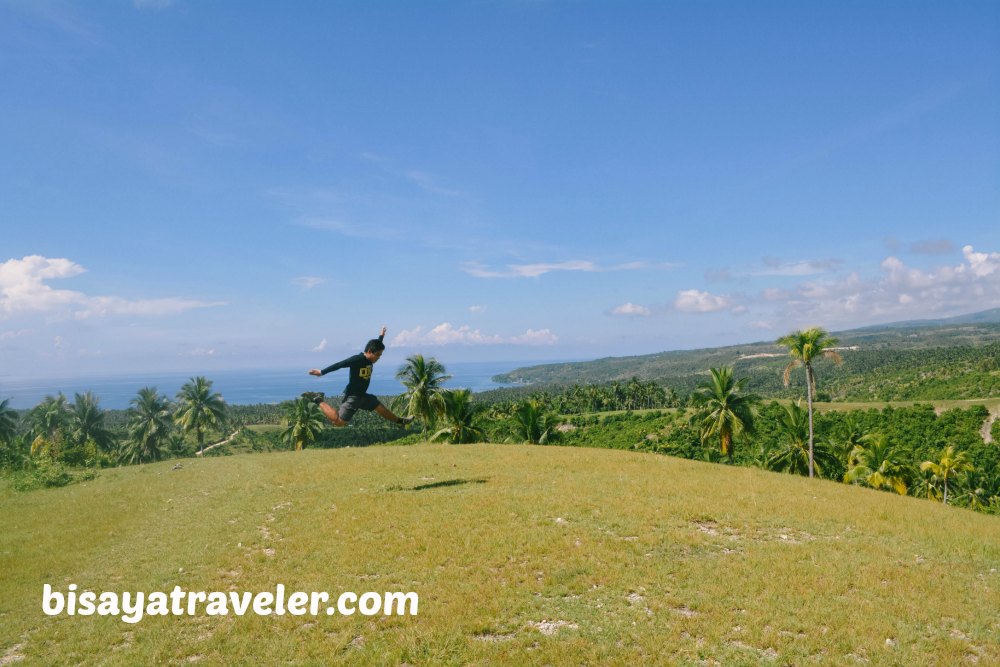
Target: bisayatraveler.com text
<point>133,607</point>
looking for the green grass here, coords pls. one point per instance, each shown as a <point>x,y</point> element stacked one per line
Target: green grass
<point>623,558</point>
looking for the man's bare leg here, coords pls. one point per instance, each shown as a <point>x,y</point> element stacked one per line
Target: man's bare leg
<point>387,414</point>
<point>331,414</point>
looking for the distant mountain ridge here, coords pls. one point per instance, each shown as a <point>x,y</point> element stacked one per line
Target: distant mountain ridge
<point>991,316</point>
<point>954,357</point>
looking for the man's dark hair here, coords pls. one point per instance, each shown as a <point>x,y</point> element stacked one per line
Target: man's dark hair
<point>374,345</point>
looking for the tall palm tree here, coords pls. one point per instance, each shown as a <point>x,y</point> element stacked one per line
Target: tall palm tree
<point>86,423</point>
<point>793,456</point>
<point>304,422</point>
<point>873,463</point>
<point>149,427</point>
<point>534,423</point>
<point>198,408</point>
<point>461,417</point>
<point>8,434</point>
<point>8,422</point>
<point>723,409</point>
<point>806,347</point>
<point>947,467</point>
<point>49,421</point>
<point>424,381</point>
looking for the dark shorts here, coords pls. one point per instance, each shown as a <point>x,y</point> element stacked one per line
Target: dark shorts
<point>351,404</point>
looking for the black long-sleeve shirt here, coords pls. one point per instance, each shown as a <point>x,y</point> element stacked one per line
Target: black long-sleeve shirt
<point>360,374</point>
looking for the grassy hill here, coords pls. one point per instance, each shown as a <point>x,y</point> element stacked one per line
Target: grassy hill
<point>520,555</point>
<point>957,358</point>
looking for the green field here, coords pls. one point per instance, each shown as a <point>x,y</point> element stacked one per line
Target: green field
<point>519,555</point>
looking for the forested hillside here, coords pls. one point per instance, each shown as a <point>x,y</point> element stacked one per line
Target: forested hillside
<point>904,361</point>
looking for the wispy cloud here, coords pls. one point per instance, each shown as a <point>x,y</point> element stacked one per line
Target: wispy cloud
<point>102,306</point>
<point>631,310</point>
<point>24,289</point>
<point>777,267</point>
<point>431,183</point>
<point>308,282</point>
<point>480,270</point>
<point>446,334</point>
<point>478,308</point>
<point>198,352</point>
<point>60,16</point>
<point>11,335</point>
<point>321,347</point>
<point>356,230</point>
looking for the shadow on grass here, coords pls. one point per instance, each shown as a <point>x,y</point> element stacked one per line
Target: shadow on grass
<point>439,485</point>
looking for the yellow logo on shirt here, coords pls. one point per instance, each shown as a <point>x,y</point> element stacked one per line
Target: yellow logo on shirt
<point>365,372</point>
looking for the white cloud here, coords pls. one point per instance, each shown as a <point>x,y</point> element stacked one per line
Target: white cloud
<point>532,337</point>
<point>695,301</point>
<point>898,292</point>
<point>631,310</point>
<point>480,270</point>
<point>308,282</point>
<point>981,263</point>
<point>198,352</point>
<point>24,288</point>
<point>446,334</point>
<point>477,309</point>
<point>320,347</point>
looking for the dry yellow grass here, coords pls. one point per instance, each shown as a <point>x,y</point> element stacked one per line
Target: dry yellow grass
<point>520,555</point>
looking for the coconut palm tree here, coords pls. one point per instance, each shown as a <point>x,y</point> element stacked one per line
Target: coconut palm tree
<point>947,467</point>
<point>461,417</point>
<point>873,463</point>
<point>534,423</point>
<point>304,422</point>
<point>8,433</point>
<point>806,347</point>
<point>199,408</point>
<point>86,423</point>
<point>149,427</point>
<point>424,381</point>
<point>49,421</point>
<point>8,422</point>
<point>723,409</point>
<point>793,456</point>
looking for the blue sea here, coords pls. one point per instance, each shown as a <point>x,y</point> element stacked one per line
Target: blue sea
<point>242,387</point>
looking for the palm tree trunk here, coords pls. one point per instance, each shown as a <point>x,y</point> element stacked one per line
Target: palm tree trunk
<point>945,500</point>
<point>809,401</point>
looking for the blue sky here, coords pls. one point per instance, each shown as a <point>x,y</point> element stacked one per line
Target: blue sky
<point>203,185</point>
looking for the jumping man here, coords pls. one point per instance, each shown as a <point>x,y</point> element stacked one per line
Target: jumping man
<point>356,396</point>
